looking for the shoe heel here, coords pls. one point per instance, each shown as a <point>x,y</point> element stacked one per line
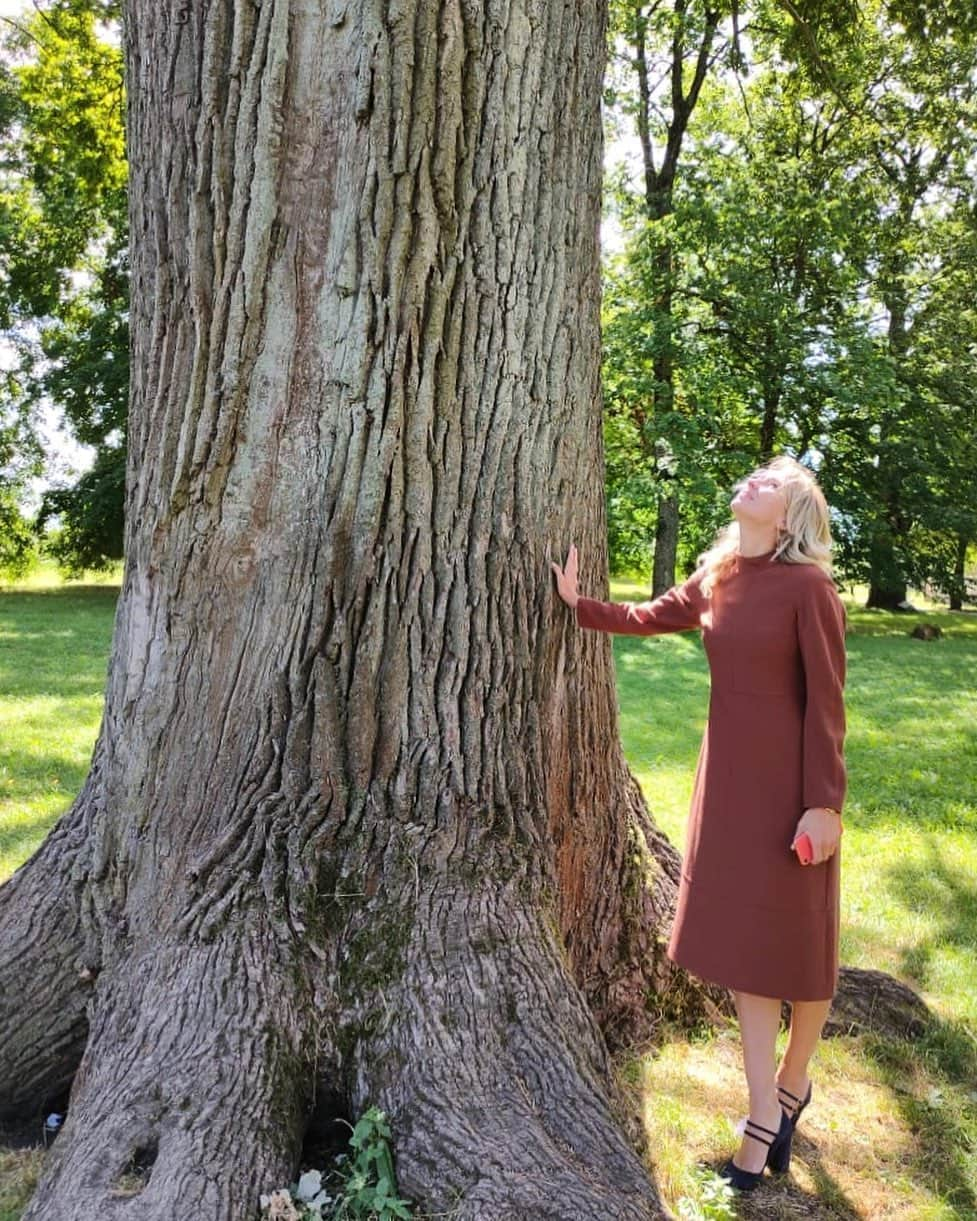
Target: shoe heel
<point>778,1159</point>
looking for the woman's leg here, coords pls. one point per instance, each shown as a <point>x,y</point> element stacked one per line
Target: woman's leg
<point>759,1023</point>
<point>807,1019</point>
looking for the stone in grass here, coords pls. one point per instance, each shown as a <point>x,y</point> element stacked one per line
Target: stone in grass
<point>926,631</point>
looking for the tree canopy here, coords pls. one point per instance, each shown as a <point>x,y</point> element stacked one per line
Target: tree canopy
<point>799,239</point>
<point>821,226</point>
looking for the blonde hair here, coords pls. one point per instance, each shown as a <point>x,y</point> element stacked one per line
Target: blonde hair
<point>804,539</point>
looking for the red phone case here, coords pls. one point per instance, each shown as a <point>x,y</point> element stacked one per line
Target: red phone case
<point>804,849</point>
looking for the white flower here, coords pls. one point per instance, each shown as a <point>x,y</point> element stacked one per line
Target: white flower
<point>309,1185</point>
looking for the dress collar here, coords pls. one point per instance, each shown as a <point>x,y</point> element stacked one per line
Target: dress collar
<point>756,560</point>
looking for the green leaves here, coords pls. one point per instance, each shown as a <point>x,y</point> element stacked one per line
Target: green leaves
<point>63,268</point>
<point>807,292</point>
<point>362,1187</point>
<point>370,1188</point>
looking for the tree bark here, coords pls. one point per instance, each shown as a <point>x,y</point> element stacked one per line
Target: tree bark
<point>958,586</point>
<point>358,827</point>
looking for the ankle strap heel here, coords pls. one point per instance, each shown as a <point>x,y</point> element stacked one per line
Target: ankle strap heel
<point>794,1106</point>
<point>778,1153</point>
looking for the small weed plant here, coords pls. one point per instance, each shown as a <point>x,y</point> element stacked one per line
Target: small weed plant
<point>709,1197</point>
<point>361,1186</point>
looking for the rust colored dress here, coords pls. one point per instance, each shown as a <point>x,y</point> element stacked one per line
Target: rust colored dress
<point>749,915</point>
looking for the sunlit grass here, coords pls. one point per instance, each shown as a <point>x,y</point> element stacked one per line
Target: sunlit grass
<point>54,641</point>
<point>893,1131</point>
<point>885,1137</point>
<point>19,1171</point>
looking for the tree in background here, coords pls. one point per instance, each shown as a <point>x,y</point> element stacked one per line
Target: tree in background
<point>661,55</point>
<point>803,235</point>
<point>910,137</point>
<point>63,232</point>
<point>20,458</point>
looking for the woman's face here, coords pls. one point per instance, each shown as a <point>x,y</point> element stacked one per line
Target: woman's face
<point>760,499</point>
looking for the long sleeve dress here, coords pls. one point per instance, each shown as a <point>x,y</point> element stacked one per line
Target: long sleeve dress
<point>749,915</point>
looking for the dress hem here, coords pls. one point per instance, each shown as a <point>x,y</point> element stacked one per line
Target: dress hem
<point>710,977</point>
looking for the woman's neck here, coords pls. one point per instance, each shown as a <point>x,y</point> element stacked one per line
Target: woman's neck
<point>756,540</point>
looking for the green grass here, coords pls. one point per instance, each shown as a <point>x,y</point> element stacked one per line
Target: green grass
<point>894,1131</point>
<point>54,642</point>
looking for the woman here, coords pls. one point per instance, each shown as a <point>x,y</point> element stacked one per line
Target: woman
<point>750,916</point>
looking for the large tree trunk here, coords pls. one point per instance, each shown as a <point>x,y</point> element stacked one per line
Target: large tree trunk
<point>358,827</point>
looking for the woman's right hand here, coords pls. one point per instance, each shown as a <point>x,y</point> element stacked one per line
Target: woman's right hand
<point>566,578</point>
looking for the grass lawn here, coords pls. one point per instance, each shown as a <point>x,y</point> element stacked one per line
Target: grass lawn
<point>54,644</point>
<point>892,1131</point>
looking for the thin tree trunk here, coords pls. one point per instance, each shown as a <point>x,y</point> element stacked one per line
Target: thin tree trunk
<point>887,583</point>
<point>360,829</point>
<point>659,184</point>
<point>666,544</point>
<point>768,424</point>
<point>958,588</point>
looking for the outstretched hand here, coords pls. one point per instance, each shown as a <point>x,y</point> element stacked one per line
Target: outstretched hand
<point>566,578</point>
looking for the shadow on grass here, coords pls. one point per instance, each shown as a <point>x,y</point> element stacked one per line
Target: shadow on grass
<point>19,844</point>
<point>25,770</point>
<point>779,1197</point>
<point>944,1123</point>
<point>644,669</point>
<point>946,892</point>
<point>932,1081</point>
<point>864,622</point>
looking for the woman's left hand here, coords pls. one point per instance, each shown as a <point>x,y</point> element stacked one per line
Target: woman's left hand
<point>823,829</point>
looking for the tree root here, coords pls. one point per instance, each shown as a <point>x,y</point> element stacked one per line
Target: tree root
<point>193,1093</point>
<point>492,1070</point>
<point>876,1002</point>
<point>47,972</point>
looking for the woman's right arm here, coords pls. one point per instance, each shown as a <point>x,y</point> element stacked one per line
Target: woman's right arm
<point>677,610</point>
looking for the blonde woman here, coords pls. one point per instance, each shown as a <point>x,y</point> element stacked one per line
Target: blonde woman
<point>771,768</point>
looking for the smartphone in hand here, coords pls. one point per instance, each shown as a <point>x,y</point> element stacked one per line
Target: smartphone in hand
<point>804,849</point>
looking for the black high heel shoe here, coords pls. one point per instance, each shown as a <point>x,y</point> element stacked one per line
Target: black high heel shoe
<point>778,1154</point>
<point>794,1106</point>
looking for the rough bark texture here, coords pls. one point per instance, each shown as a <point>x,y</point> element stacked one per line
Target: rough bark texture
<point>358,827</point>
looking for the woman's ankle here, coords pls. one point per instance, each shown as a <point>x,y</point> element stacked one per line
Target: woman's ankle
<point>794,1081</point>
<point>765,1109</point>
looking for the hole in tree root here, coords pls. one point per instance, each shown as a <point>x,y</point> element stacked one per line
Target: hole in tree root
<point>134,1176</point>
<point>25,1127</point>
<point>325,1146</point>
<point>326,1136</point>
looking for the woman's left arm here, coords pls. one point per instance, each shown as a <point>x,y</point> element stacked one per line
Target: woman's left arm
<point>821,634</point>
